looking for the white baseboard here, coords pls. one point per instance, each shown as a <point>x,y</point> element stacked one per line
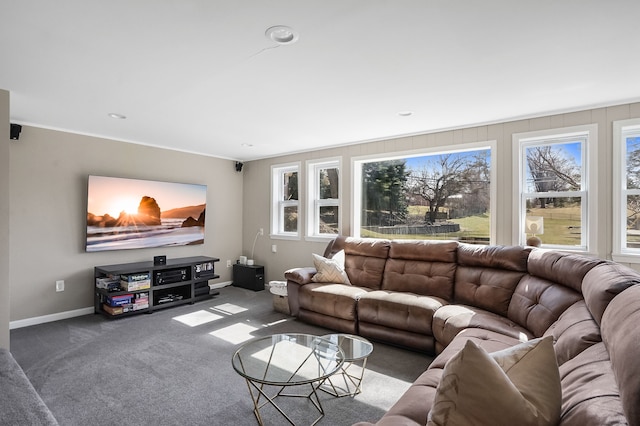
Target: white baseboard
<point>50,318</point>
<point>75,313</point>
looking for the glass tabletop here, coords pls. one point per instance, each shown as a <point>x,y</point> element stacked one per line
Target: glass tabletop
<point>354,347</point>
<point>288,359</point>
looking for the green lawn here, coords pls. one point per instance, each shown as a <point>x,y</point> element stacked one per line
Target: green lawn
<point>561,226</point>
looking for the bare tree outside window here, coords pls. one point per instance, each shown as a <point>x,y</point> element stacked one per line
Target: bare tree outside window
<point>440,196</point>
<point>554,180</point>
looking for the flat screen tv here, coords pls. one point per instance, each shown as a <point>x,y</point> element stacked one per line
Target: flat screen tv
<point>132,213</point>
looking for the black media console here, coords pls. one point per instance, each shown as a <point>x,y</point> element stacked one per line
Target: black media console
<point>132,288</point>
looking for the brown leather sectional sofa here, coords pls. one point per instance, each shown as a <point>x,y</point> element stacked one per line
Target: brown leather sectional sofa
<point>433,296</point>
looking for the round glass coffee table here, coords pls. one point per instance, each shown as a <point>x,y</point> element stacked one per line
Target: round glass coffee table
<point>356,350</point>
<point>285,360</point>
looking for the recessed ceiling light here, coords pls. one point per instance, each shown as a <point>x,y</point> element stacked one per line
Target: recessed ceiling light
<point>281,34</point>
<point>117,116</point>
<point>405,113</point>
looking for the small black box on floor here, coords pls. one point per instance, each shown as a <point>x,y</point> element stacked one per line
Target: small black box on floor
<point>248,276</point>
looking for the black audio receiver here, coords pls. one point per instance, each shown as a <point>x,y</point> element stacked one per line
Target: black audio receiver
<point>169,276</point>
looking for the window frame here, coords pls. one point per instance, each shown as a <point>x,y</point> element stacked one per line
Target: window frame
<point>356,177</point>
<point>588,191</point>
<point>278,204</point>
<point>314,202</point>
<point>621,130</point>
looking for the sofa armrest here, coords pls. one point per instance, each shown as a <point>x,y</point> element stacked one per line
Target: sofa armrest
<point>296,278</point>
<point>300,275</point>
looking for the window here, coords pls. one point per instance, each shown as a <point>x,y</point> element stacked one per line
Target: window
<point>428,195</point>
<point>323,209</point>
<point>554,189</point>
<point>626,190</point>
<point>285,209</point>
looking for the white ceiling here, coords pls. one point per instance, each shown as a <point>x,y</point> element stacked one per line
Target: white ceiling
<point>200,76</point>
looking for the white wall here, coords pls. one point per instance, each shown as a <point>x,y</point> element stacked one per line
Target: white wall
<point>298,253</point>
<point>5,249</point>
<point>48,183</point>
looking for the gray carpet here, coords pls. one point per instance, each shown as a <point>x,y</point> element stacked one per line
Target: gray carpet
<point>173,367</point>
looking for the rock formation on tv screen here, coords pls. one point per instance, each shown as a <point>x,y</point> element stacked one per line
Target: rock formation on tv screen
<point>148,211</point>
<point>190,221</point>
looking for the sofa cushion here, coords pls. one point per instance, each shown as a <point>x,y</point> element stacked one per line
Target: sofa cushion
<point>336,300</point>
<point>562,268</point>
<point>487,276</point>
<point>330,270</point>
<point>364,259</point>
<point>604,282</point>
<point>421,267</point>
<point>573,332</point>
<point>489,289</point>
<point>508,258</point>
<point>518,385</point>
<point>590,395</point>
<point>490,341</point>
<point>398,310</point>
<point>537,303</point>
<point>621,335</point>
<point>450,320</point>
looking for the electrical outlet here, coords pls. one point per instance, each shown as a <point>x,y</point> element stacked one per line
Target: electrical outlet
<point>228,264</point>
<point>274,248</point>
<point>261,231</point>
<point>60,285</point>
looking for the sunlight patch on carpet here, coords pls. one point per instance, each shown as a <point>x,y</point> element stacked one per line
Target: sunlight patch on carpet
<point>197,318</point>
<point>236,333</point>
<point>228,308</point>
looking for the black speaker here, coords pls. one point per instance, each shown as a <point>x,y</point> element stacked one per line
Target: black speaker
<point>239,166</point>
<point>15,131</point>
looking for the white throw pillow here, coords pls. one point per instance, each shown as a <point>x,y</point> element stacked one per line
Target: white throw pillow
<point>330,270</point>
<point>516,386</point>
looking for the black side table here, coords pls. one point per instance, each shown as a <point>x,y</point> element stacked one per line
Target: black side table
<point>248,276</point>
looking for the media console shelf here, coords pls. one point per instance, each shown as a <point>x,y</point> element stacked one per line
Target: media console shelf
<point>133,288</point>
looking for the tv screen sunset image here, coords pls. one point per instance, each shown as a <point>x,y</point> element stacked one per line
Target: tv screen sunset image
<point>132,213</point>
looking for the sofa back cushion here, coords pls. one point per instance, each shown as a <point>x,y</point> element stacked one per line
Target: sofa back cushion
<point>573,332</point>
<point>602,283</point>
<point>621,336</point>
<point>365,259</point>
<point>487,276</point>
<point>553,284</point>
<point>563,268</point>
<point>537,303</point>
<point>421,267</point>
<point>590,394</point>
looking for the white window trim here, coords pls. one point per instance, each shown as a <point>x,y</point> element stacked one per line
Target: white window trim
<point>620,253</point>
<point>356,177</point>
<point>589,190</point>
<point>313,200</point>
<point>277,171</point>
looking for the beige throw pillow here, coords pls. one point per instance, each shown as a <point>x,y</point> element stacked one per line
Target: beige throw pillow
<point>516,386</point>
<point>330,270</point>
